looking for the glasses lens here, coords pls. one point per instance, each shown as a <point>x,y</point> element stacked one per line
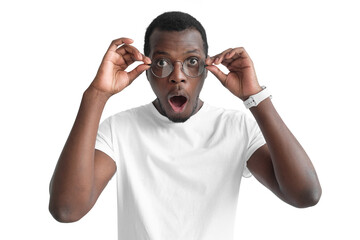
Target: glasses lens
<point>193,67</point>
<point>161,68</point>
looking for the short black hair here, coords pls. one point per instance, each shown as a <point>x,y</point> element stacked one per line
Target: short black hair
<point>174,21</point>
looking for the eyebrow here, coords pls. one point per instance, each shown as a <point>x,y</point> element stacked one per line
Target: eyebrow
<point>161,53</point>
<point>193,51</point>
<point>168,54</point>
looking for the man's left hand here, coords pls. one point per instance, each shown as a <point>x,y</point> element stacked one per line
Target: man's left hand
<point>241,80</point>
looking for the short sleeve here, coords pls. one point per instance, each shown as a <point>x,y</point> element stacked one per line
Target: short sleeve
<point>104,139</point>
<point>255,141</point>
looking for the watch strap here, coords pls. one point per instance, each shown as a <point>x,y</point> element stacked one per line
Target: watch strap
<point>255,99</point>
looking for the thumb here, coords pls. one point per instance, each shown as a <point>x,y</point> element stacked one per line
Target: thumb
<point>137,71</point>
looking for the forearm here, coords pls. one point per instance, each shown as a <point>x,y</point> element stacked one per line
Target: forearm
<point>72,185</point>
<point>293,169</point>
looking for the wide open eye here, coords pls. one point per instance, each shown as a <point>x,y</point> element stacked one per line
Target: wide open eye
<point>161,67</point>
<point>192,62</point>
<point>193,67</point>
<point>161,63</point>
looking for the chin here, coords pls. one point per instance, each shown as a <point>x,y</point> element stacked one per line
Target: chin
<point>178,119</point>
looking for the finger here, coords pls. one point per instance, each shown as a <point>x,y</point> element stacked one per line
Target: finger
<point>240,64</point>
<point>218,73</point>
<point>237,60</point>
<point>209,60</point>
<point>239,52</point>
<point>128,59</point>
<point>214,60</point>
<point>220,57</point>
<point>136,55</point>
<point>235,57</point>
<point>119,60</point>
<point>115,58</point>
<point>128,49</point>
<point>231,54</point>
<point>127,54</point>
<point>137,71</point>
<point>117,42</point>
<point>125,61</point>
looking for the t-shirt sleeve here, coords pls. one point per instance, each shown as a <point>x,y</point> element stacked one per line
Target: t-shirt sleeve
<point>104,139</point>
<point>255,141</point>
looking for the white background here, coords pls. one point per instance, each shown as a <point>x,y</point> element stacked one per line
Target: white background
<point>306,52</point>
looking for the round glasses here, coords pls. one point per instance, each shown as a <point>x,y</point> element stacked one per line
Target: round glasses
<point>163,67</point>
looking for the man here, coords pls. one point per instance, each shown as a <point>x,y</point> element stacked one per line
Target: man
<point>178,160</point>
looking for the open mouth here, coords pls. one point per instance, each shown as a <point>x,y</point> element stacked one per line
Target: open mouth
<point>178,103</point>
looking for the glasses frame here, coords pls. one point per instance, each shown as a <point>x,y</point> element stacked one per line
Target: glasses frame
<point>182,67</point>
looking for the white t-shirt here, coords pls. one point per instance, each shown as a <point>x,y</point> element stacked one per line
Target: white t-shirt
<point>178,181</point>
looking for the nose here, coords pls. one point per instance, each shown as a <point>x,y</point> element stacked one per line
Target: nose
<point>177,75</point>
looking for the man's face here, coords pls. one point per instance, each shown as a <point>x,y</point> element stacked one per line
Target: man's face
<point>177,94</point>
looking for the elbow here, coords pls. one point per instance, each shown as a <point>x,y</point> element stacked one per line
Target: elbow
<point>308,198</point>
<point>308,202</point>
<point>67,209</point>
<point>64,214</point>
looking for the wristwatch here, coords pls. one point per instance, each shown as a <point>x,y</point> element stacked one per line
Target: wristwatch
<point>255,99</point>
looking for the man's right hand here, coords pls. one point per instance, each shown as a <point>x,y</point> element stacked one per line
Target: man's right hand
<point>83,172</point>
<point>111,77</point>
